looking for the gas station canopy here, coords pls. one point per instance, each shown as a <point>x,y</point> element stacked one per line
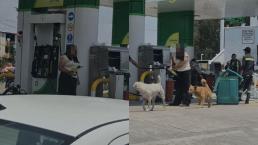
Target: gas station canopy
<point>8,16</point>
<point>219,9</point>
<point>204,9</point>
<point>211,9</point>
<point>176,5</point>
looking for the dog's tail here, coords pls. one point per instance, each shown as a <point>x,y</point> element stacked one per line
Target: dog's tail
<point>205,84</point>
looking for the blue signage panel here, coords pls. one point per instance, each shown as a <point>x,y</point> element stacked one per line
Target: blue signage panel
<point>69,38</point>
<point>71,16</point>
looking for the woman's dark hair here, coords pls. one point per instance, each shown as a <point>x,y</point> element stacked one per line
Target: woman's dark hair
<point>68,52</point>
<point>180,53</point>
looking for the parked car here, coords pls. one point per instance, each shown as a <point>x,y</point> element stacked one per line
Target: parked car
<point>63,120</point>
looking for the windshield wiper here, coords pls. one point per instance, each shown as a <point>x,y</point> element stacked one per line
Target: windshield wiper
<point>2,107</point>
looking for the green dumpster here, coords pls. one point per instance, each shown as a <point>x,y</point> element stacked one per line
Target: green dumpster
<point>227,87</point>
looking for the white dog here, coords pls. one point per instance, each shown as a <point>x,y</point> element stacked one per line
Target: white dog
<point>149,93</point>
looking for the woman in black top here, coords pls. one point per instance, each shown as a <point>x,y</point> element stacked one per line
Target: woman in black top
<point>68,65</point>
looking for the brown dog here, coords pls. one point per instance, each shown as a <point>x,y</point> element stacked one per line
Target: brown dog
<point>203,93</point>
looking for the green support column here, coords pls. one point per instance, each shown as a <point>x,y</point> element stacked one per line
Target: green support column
<point>175,24</point>
<point>26,4</point>
<point>137,7</point>
<point>81,3</point>
<point>122,10</point>
<point>143,30</point>
<point>121,23</point>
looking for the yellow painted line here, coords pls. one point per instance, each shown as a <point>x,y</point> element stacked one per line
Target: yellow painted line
<point>133,97</point>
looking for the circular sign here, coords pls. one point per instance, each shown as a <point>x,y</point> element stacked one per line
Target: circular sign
<point>71,16</point>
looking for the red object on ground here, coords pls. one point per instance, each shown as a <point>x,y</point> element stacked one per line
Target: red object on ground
<point>169,90</point>
<point>210,81</point>
<point>126,95</point>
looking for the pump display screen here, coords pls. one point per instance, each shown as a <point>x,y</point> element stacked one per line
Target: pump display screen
<point>158,56</point>
<point>114,59</point>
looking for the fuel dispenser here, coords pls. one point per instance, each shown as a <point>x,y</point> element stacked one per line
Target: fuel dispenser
<point>109,66</point>
<point>153,57</point>
<point>45,60</point>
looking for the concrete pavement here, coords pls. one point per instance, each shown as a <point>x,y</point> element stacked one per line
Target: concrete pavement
<point>194,125</point>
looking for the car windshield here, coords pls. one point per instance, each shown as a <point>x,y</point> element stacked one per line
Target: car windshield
<point>12,133</point>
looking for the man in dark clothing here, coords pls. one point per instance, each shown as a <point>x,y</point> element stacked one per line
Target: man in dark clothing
<point>248,69</point>
<point>195,73</point>
<point>234,64</point>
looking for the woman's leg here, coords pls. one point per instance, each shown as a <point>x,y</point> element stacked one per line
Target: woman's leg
<point>67,85</point>
<point>177,95</point>
<point>185,88</point>
<point>178,87</point>
<point>73,86</point>
<point>61,84</point>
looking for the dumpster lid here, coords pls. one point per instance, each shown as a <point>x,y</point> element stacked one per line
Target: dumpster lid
<point>227,73</point>
<point>230,72</point>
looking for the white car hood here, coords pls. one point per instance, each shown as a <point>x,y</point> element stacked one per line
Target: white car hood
<point>69,115</point>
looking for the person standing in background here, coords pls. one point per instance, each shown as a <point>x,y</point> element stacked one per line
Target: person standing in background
<point>182,67</point>
<point>196,73</point>
<point>248,69</point>
<point>234,64</point>
<point>68,65</point>
<point>8,72</point>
